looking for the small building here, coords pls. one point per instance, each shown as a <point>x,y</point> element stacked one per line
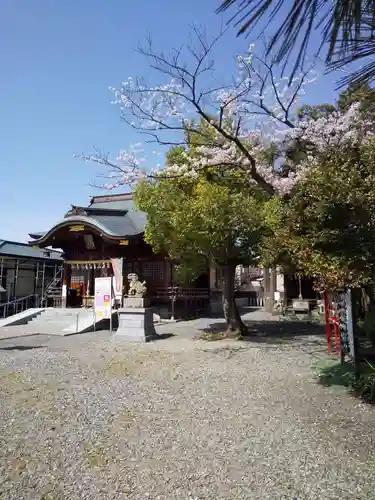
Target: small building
<point>105,238</point>
<point>27,275</point>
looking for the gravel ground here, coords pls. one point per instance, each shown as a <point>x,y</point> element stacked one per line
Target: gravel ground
<point>84,417</point>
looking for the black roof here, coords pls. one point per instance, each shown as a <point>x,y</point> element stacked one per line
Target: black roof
<point>24,250</point>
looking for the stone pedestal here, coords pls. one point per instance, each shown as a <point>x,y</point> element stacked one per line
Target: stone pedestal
<point>135,302</point>
<point>135,325</point>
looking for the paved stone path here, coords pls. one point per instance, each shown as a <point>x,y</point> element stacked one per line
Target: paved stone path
<point>85,417</point>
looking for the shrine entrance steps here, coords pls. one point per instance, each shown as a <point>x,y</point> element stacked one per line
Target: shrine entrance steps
<point>54,321</point>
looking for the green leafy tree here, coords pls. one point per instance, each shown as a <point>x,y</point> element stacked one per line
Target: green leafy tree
<point>329,222</point>
<point>198,222</point>
<point>358,93</point>
<point>308,112</point>
<point>324,227</point>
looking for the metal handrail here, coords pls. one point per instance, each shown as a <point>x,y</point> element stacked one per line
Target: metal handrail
<point>77,321</point>
<point>13,305</point>
<point>52,283</point>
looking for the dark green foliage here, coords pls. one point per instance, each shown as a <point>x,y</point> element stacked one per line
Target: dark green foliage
<point>335,374</point>
<point>308,112</point>
<point>364,387</point>
<point>330,219</point>
<point>359,93</point>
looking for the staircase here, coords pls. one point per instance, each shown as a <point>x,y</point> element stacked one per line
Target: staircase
<point>36,300</point>
<point>54,288</point>
<point>53,321</point>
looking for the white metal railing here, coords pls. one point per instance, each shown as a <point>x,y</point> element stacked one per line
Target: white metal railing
<point>18,305</point>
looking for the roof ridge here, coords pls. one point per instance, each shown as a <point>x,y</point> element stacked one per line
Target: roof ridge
<point>13,242</point>
<point>102,198</point>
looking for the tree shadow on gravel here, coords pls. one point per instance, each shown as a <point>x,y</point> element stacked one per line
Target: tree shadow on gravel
<point>308,337</point>
<point>22,347</point>
<point>163,336</point>
<point>275,331</point>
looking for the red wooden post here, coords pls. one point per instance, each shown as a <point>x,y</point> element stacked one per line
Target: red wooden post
<point>327,319</point>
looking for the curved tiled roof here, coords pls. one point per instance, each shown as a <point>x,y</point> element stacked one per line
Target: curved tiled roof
<point>116,219</point>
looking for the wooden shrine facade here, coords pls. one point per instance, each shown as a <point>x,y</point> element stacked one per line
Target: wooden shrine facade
<point>106,239</point>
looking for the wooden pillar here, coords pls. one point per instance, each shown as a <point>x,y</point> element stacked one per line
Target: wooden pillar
<point>66,277</point>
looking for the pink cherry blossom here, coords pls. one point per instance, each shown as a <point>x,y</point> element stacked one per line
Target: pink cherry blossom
<point>243,118</point>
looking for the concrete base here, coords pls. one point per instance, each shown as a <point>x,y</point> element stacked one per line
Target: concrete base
<point>269,304</point>
<point>135,325</point>
<point>135,302</point>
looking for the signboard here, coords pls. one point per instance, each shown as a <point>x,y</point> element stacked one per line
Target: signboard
<point>76,229</point>
<point>349,325</point>
<point>103,298</point>
<point>340,315</point>
<point>345,320</point>
<point>301,305</point>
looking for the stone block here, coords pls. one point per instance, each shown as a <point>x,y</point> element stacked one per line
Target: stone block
<point>135,302</point>
<point>135,325</point>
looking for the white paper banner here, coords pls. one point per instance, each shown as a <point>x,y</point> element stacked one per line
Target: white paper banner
<point>103,298</point>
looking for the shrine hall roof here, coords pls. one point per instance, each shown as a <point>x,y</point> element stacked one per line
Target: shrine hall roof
<point>20,250</point>
<point>114,216</point>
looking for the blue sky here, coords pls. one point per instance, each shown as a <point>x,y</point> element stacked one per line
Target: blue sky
<point>58,60</point>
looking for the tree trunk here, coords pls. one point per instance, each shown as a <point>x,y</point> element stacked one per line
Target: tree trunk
<point>235,325</point>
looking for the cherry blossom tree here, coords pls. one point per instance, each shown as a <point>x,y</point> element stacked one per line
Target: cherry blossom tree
<point>252,120</point>
<point>244,129</point>
<point>246,116</point>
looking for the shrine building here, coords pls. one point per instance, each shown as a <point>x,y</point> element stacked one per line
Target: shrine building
<point>106,239</point>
